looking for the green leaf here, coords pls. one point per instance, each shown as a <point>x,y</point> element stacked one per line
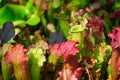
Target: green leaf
<point>77,28</point>
<point>29,6</point>
<point>79,3</point>
<point>57,3</point>
<point>33,20</point>
<point>64,26</point>
<point>117,5</point>
<point>12,12</point>
<point>52,59</point>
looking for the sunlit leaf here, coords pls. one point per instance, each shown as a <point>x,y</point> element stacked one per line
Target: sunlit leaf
<point>77,28</point>
<point>33,20</point>
<point>12,12</point>
<point>29,6</point>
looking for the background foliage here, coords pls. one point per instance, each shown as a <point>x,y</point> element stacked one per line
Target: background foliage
<point>77,47</point>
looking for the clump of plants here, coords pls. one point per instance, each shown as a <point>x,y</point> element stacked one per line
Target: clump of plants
<point>61,40</point>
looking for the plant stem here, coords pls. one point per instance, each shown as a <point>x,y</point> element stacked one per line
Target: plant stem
<point>35,73</point>
<point>6,70</point>
<point>21,73</point>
